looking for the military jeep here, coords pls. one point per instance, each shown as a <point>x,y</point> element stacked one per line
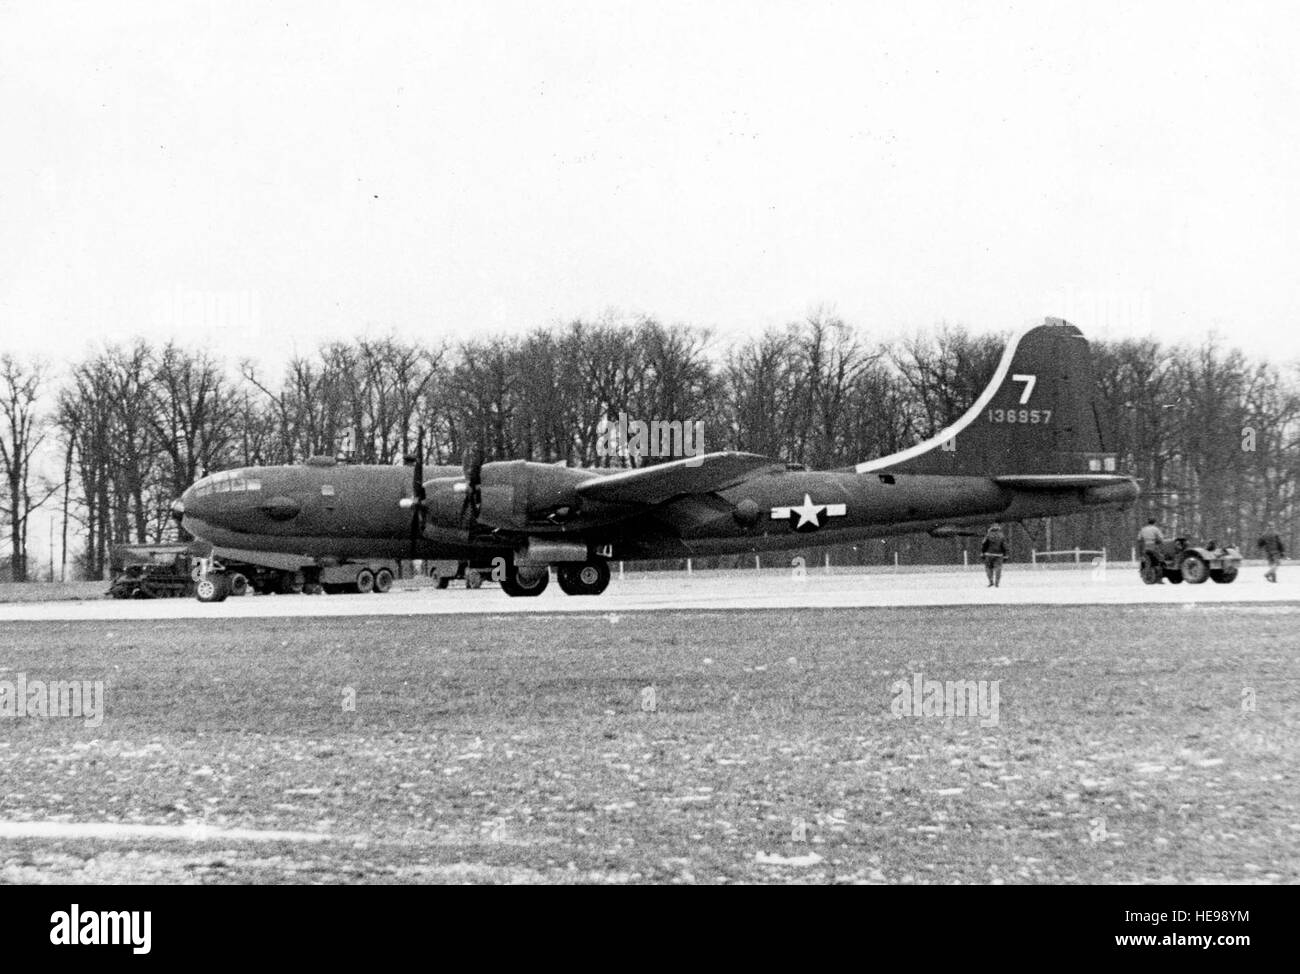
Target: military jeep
<point>1178,561</point>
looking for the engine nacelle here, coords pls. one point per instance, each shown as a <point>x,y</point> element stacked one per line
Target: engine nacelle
<point>512,494</point>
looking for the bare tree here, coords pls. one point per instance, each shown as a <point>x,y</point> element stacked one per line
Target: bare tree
<point>22,431</point>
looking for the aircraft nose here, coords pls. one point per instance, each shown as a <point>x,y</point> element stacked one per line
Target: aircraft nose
<point>193,505</point>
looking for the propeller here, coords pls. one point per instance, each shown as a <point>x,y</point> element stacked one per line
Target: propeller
<point>472,461</point>
<point>416,502</point>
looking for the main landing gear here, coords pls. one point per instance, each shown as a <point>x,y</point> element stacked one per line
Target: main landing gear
<point>583,578</point>
<point>589,578</point>
<point>525,580</point>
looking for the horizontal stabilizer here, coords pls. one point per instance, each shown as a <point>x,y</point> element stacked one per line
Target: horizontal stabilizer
<point>1065,481</point>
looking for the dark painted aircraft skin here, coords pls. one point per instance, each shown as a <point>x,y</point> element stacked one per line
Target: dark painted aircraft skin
<point>1031,446</point>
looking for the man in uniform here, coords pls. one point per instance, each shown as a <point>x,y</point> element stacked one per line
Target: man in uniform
<point>1271,542</point>
<point>994,551</point>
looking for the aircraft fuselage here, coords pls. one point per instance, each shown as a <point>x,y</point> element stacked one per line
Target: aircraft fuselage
<point>356,511</point>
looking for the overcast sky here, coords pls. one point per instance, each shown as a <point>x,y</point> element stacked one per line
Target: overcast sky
<point>257,176</point>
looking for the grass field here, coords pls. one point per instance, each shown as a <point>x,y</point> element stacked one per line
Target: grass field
<point>507,749</point>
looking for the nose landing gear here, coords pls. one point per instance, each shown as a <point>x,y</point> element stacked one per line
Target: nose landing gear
<point>211,587</point>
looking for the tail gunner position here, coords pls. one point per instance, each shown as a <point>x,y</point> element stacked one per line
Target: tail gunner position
<point>1030,446</point>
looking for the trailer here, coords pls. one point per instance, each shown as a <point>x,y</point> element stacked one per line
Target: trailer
<point>223,572</point>
<point>445,572</point>
<point>213,574</point>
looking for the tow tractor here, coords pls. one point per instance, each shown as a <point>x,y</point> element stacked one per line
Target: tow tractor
<point>1178,561</point>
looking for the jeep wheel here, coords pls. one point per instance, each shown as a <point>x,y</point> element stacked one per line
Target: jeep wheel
<point>1224,576</point>
<point>1194,569</point>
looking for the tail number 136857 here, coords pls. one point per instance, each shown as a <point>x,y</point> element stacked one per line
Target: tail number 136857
<point>1026,416</point>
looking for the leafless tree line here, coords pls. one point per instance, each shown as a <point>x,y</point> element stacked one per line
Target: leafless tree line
<point>1214,436</point>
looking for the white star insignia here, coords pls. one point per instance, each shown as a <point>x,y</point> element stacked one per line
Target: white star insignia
<point>809,514</point>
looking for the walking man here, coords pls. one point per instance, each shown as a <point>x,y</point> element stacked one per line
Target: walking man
<point>994,551</point>
<point>1271,542</point>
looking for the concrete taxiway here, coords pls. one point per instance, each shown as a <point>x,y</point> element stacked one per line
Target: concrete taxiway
<point>713,590</point>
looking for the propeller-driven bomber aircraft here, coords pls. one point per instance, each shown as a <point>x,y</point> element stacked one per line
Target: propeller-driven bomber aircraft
<point>1031,446</point>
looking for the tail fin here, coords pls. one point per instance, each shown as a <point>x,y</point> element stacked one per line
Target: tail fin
<point>1037,416</point>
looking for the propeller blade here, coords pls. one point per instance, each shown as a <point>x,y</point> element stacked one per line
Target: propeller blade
<point>419,511</point>
<point>472,462</point>
<point>418,470</point>
<point>417,530</point>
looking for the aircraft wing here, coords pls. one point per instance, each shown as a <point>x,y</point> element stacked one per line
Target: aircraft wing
<point>1064,481</point>
<point>693,475</point>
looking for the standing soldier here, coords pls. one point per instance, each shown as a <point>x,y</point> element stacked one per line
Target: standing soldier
<point>1149,537</point>
<point>1271,542</point>
<point>994,551</point>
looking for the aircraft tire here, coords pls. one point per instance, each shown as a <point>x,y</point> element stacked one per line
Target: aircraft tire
<point>383,581</point>
<point>238,584</point>
<point>590,578</point>
<point>512,586</point>
<point>211,588</point>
